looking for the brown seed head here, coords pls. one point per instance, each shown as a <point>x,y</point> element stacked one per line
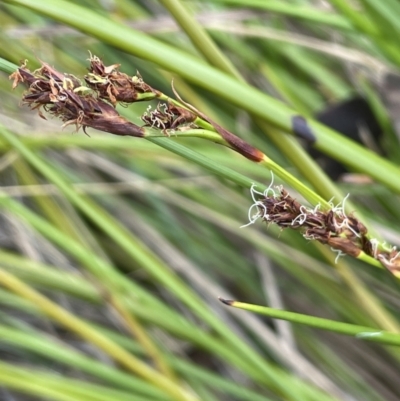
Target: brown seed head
<point>115,86</point>
<point>167,116</point>
<point>333,227</point>
<point>63,96</point>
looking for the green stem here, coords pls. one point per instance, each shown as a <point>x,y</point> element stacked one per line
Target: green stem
<point>55,387</point>
<point>26,385</point>
<point>361,332</point>
<point>306,13</point>
<point>199,36</point>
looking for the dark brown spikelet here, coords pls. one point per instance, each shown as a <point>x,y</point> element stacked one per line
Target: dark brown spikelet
<point>167,116</point>
<point>343,233</point>
<point>333,227</point>
<point>115,86</point>
<point>63,96</point>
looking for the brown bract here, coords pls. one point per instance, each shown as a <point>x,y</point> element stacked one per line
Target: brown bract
<point>391,260</point>
<point>63,96</point>
<point>236,143</point>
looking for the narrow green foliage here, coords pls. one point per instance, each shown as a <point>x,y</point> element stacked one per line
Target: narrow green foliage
<point>204,172</point>
<point>360,332</point>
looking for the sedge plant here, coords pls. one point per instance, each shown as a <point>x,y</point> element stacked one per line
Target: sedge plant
<point>123,249</point>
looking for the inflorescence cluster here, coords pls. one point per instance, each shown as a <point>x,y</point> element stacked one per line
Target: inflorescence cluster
<point>344,233</point>
<point>93,104</point>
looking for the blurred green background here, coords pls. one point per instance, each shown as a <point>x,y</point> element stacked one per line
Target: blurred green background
<point>130,242</point>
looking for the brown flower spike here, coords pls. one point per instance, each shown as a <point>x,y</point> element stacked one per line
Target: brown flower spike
<point>115,86</point>
<point>167,116</point>
<point>93,105</point>
<point>63,96</point>
<point>344,234</point>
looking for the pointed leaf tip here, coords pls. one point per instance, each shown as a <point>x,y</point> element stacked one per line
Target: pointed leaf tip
<point>226,301</point>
